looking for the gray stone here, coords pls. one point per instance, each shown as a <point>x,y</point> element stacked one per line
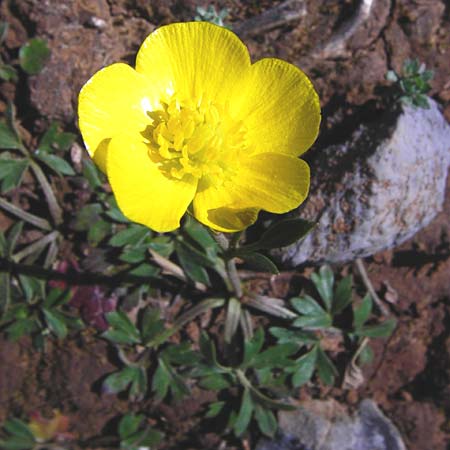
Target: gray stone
<point>377,189</point>
<point>325,425</point>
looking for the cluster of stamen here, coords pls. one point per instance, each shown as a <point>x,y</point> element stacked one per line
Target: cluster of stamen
<point>194,138</point>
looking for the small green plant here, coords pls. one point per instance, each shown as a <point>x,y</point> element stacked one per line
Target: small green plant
<point>259,378</point>
<point>413,83</point>
<point>210,14</point>
<point>32,57</point>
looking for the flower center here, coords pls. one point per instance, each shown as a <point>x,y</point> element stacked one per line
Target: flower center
<point>198,139</point>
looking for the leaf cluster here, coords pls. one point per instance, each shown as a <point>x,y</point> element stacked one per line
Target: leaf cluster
<point>260,375</point>
<point>210,14</point>
<point>155,357</point>
<point>413,83</point>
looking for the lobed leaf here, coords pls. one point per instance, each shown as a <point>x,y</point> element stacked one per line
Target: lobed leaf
<point>33,56</point>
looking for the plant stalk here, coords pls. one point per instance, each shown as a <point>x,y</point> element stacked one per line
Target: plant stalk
<point>53,206</point>
<point>27,217</point>
<point>35,246</point>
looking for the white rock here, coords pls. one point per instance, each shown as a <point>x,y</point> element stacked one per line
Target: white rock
<point>376,190</point>
<point>325,425</point>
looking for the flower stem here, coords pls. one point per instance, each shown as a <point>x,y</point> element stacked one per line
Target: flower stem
<point>233,281</point>
<point>370,288</point>
<point>189,315</point>
<point>35,246</point>
<point>31,218</point>
<point>234,277</point>
<point>53,206</point>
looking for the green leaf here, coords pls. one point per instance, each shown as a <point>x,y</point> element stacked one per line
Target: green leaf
<point>53,138</point>
<point>58,164</point>
<point>8,73</point>
<point>299,337</point>
<point>17,443</point>
<point>139,384</point>
<point>14,233</point>
<point>33,56</point>
<point>11,172</point>
<point>181,354</point>
<point>208,350</point>
<point>131,235</point>
<point>92,175</point>
<point>129,424</point>
<point>214,382</point>
<point>5,292</point>
<point>421,101</point>
<point>307,306</point>
<point>152,325</point>
<point>87,215</point>
<point>31,287</point>
<point>192,262</point>
<point>21,327</point>
<point>362,312</point>
<point>304,368</point>
<point>266,420</point>
<point>119,381</point>
<point>343,295</point>
<point>275,356</point>
<point>55,322</point>
<point>324,284</point>
<point>8,138</point>
<point>141,440</point>
<point>162,245</point>
<point>253,346</point>
<point>313,322</point>
<point>119,321</point>
<point>214,409</point>
<point>4,27</point>
<point>98,231</point>
<point>232,319</point>
<point>382,330</point>
<point>161,380</point>
<point>3,245</point>
<point>56,297</point>
<point>282,234</point>
<point>260,263</point>
<point>325,368</point>
<point>145,270</point>
<point>18,428</point>
<point>391,76</point>
<point>200,234</point>
<point>366,356</point>
<point>177,385</point>
<point>116,215</point>
<point>245,414</point>
<point>134,255</point>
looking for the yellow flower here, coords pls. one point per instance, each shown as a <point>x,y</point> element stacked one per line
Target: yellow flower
<point>197,126</point>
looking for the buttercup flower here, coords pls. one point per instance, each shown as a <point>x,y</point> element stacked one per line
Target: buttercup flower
<point>197,127</point>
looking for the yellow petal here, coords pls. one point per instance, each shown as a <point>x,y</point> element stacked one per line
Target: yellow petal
<point>279,106</point>
<point>110,103</point>
<point>142,192</point>
<point>217,208</point>
<point>271,181</point>
<point>274,182</point>
<point>195,60</point>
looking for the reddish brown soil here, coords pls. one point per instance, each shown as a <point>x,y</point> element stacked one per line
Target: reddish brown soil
<point>410,376</point>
